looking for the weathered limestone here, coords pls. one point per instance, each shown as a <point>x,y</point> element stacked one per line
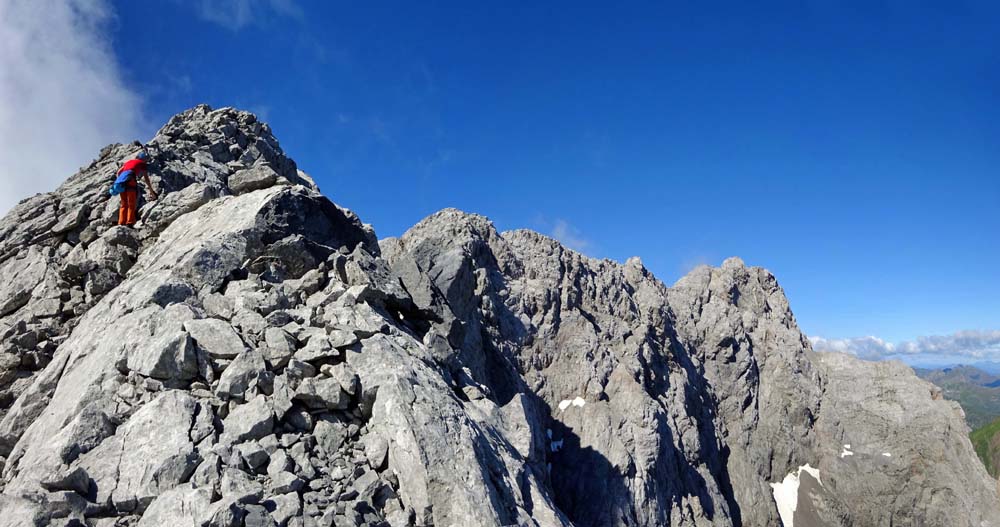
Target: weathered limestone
<point>253,356</point>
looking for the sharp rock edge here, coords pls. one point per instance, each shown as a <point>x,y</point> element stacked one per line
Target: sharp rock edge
<point>254,355</point>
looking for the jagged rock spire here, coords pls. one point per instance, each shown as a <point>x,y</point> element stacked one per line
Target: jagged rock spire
<point>253,355</point>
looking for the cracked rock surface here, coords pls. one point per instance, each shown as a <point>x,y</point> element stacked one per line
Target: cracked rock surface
<point>252,355</point>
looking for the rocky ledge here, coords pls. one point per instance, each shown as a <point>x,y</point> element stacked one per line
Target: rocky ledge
<point>253,355</point>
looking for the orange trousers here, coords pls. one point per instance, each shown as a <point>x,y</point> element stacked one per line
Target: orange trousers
<point>127,208</point>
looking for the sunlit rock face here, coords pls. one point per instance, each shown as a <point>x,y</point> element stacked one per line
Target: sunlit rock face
<point>252,354</point>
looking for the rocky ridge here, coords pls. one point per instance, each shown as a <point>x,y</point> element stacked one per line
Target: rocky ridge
<point>254,355</point>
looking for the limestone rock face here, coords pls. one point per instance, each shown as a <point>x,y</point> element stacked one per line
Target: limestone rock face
<point>253,355</point>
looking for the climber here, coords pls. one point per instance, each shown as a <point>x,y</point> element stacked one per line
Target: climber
<point>128,184</point>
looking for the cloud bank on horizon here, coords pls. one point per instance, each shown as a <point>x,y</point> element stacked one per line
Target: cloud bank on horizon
<point>62,94</point>
<point>962,346</point>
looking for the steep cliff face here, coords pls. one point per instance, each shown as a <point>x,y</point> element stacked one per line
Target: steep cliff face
<point>253,355</point>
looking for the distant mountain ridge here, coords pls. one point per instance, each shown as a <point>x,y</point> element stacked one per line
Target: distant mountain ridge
<point>976,390</point>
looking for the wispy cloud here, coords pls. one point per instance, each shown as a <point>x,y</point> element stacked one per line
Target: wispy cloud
<point>965,345</point>
<point>62,97</point>
<point>237,14</point>
<point>570,236</point>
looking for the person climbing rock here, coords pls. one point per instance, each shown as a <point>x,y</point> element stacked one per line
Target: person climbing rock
<point>128,178</point>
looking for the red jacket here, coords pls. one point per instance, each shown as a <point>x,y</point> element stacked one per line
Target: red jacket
<point>138,168</point>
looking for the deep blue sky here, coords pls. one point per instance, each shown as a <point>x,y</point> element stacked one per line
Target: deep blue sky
<point>850,148</point>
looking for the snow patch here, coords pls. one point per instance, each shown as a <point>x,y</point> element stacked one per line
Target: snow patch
<point>846,452</point>
<point>557,445</point>
<point>786,493</point>
<point>886,454</point>
<point>566,403</point>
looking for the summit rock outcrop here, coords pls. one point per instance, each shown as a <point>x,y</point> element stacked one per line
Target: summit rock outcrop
<point>254,355</point>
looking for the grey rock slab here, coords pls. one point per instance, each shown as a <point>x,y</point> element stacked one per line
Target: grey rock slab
<point>348,379</point>
<point>181,506</point>
<point>242,374</point>
<point>298,370</point>
<point>252,420</point>
<point>257,516</point>
<point>218,305</point>
<point>216,337</point>
<point>75,479</point>
<point>318,348</point>
<point>280,346</point>
<point>255,178</point>
<point>376,450</point>
<point>284,507</point>
<point>253,454</point>
<point>149,454</point>
<point>330,434</point>
<point>20,512</point>
<point>238,486</point>
<point>284,482</point>
<point>322,393</point>
<point>169,352</point>
<point>279,462</point>
<point>21,274</point>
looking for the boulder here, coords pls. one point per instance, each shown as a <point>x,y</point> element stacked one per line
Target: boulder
<point>242,374</point>
<point>254,178</point>
<point>148,455</point>
<point>215,337</point>
<point>252,420</point>
<point>169,353</point>
<point>322,394</point>
<point>182,506</point>
<point>330,434</point>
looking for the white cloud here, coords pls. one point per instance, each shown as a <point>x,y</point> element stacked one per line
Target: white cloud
<point>570,236</point>
<point>237,14</point>
<point>969,344</point>
<point>62,97</point>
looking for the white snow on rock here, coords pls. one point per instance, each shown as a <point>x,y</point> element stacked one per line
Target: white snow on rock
<point>565,403</point>
<point>786,493</point>
<point>846,452</point>
<point>886,454</point>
